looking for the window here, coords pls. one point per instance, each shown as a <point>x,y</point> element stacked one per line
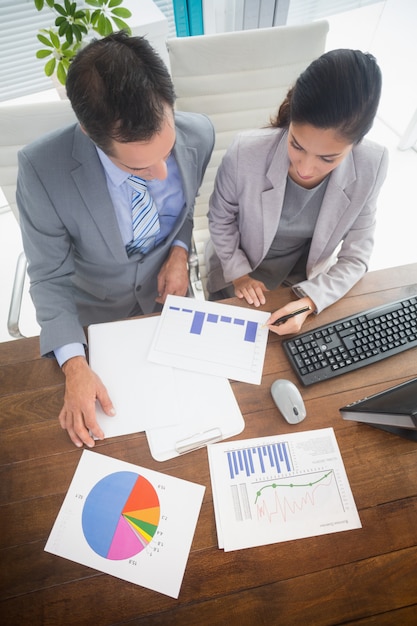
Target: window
<point>21,73</point>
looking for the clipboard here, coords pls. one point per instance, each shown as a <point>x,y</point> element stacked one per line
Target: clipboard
<point>210,413</point>
<point>178,409</point>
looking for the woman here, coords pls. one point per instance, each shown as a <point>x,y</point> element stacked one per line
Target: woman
<point>296,201</point>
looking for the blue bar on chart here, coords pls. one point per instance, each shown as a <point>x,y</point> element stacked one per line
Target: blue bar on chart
<point>199,318</point>
<point>197,323</point>
<point>274,457</point>
<point>250,334</point>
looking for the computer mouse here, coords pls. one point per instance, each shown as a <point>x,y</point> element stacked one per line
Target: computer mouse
<point>288,400</point>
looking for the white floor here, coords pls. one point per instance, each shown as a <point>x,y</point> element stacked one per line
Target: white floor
<point>395,237</point>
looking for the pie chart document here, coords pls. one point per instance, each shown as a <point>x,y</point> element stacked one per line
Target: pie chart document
<point>128,521</point>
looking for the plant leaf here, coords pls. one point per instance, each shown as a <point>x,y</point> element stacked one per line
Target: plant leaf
<point>42,54</point>
<point>59,9</point>
<point>121,25</point>
<point>69,6</point>
<point>77,32</point>
<point>61,73</point>
<point>108,26</point>
<point>69,34</point>
<point>44,40</point>
<point>63,28</point>
<point>121,12</point>
<point>54,39</point>
<point>101,25</point>
<point>50,67</point>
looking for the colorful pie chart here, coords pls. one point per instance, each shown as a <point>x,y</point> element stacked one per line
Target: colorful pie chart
<point>120,515</point>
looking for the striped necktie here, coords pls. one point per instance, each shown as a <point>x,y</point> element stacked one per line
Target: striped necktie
<point>145,218</point>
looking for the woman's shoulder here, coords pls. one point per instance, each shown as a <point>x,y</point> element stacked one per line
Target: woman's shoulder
<point>260,136</point>
<point>256,143</point>
<point>371,159</point>
<point>367,163</point>
<point>368,149</point>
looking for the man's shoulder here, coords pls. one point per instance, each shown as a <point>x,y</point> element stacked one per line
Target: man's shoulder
<point>193,123</point>
<point>46,142</point>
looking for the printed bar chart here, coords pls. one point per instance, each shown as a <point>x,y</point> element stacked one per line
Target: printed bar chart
<point>275,457</point>
<point>211,338</point>
<point>199,317</point>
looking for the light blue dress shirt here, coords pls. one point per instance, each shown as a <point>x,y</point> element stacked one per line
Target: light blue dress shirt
<point>168,196</point>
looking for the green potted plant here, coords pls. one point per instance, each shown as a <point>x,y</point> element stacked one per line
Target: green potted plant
<point>74,25</point>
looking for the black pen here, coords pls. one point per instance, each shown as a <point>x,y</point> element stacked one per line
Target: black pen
<point>284,318</point>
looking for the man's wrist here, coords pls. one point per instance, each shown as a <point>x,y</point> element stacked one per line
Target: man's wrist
<point>73,363</point>
<point>179,252</point>
<point>67,351</point>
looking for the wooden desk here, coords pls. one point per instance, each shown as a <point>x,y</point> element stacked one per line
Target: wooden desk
<point>366,576</point>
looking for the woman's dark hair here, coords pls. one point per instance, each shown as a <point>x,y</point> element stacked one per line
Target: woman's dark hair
<point>340,90</point>
<point>119,89</point>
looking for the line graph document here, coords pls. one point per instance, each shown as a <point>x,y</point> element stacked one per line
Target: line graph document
<point>280,488</point>
<point>212,338</point>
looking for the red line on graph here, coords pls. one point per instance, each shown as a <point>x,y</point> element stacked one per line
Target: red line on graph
<point>284,507</point>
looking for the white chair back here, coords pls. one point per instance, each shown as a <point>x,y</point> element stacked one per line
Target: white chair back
<point>19,125</point>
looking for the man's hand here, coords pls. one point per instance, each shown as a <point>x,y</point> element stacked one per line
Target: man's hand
<point>173,277</point>
<point>293,325</point>
<point>78,415</point>
<point>250,289</point>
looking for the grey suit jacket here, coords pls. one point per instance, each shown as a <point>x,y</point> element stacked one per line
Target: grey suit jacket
<point>78,266</point>
<point>246,205</point>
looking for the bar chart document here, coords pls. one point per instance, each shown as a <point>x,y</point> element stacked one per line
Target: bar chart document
<point>128,521</point>
<point>212,338</point>
<point>280,488</point>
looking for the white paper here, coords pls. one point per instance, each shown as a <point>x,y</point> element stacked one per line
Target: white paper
<point>141,391</point>
<point>279,488</point>
<point>211,337</point>
<point>128,521</point>
<point>168,403</point>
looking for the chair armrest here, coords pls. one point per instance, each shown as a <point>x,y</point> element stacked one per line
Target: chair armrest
<point>16,298</point>
<point>195,289</point>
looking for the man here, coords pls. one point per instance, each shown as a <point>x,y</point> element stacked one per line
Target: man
<point>87,261</point>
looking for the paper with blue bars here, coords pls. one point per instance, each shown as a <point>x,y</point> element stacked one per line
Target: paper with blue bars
<point>279,488</point>
<point>212,338</point>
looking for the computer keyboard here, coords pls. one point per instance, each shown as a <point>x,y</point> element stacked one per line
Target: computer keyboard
<point>353,342</point>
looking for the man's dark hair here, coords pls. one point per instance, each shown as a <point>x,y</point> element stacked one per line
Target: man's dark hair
<point>119,88</point>
<point>339,90</point>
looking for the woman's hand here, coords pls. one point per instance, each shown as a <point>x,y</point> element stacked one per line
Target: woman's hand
<point>294,324</point>
<point>250,289</point>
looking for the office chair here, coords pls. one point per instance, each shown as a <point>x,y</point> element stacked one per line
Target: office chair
<point>19,125</point>
<point>238,79</point>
